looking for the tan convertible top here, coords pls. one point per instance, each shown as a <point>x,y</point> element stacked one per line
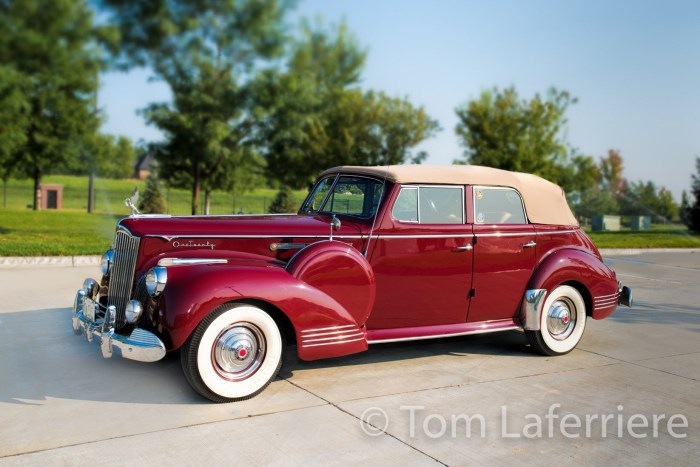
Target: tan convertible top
<point>545,202</point>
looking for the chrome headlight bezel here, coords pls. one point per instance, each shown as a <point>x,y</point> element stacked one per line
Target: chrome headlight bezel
<point>156,279</point>
<point>106,262</point>
<point>133,311</point>
<point>91,288</point>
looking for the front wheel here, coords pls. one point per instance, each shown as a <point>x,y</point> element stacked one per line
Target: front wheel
<point>233,354</point>
<point>562,322</point>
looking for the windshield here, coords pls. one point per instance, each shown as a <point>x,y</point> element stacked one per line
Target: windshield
<point>353,196</point>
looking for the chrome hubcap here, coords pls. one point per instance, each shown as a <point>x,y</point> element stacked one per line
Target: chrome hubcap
<point>238,351</point>
<point>561,319</point>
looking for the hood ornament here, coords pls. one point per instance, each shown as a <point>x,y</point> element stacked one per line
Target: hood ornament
<point>132,201</point>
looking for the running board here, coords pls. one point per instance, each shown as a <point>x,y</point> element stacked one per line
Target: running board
<point>380,336</point>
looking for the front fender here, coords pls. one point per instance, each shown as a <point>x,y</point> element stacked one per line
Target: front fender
<point>192,292</point>
<point>596,281</point>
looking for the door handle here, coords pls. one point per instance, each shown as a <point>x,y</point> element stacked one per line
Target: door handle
<point>460,249</point>
<point>529,244</point>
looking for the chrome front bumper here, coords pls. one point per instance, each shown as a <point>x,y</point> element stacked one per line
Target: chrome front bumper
<point>140,345</point>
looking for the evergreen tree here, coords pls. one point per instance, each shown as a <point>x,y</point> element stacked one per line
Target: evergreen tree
<point>152,201</point>
<point>693,212</point>
<point>283,202</point>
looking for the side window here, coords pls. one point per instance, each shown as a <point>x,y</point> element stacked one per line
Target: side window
<point>495,205</point>
<point>406,206</point>
<point>430,205</point>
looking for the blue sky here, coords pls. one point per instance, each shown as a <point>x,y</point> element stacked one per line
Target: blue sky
<point>633,65</point>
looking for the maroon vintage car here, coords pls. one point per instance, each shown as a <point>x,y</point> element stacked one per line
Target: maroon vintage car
<point>375,254</point>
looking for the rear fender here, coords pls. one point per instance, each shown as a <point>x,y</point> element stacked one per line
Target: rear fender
<point>596,282</point>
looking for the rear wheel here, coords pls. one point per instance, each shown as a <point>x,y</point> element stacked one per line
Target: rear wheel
<point>233,354</point>
<point>562,322</point>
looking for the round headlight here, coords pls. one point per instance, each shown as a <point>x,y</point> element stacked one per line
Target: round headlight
<point>106,262</point>
<point>156,278</point>
<point>91,287</point>
<point>133,311</point>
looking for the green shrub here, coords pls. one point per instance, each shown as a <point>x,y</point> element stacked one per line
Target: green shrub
<point>153,201</point>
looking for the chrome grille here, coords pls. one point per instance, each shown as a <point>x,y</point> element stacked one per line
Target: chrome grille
<point>121,275</point>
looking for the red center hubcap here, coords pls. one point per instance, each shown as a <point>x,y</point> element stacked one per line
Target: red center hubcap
<point>242,353</point>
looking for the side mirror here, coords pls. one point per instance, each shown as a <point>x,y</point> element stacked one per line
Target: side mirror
<point>335,225</point>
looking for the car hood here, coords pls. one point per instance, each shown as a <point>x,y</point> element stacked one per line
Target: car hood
<point>288,225</point>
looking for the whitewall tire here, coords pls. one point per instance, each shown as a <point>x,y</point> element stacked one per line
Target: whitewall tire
<point>233,354</point>
<point>562,322</point>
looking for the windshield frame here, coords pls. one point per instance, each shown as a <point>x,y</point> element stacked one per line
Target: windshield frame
<point>336,178</point>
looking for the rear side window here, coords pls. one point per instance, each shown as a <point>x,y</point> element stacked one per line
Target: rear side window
<point>430,205</point>
<point>496,205</point>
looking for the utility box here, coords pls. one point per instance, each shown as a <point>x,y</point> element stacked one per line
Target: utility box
<point>51,196</point>
<point>640,222</point>
<point>601,223</point>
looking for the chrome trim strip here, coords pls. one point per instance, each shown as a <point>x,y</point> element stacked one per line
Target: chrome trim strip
<point>601,297</point>
<point>235,215</point>
<point>331,333</point>
<point>333,338</point>
<point>334,343</point>
<point>556,232</point>
<point>531,309</point>
<point>469,235</point>
<point>287,246</point>
<point>467,333</point>
<point>189,261</point>
<point>285,235</point>
<point>604,307</point>
<point>344,326</point>
<point>505,234</point>
<point>611,298</point>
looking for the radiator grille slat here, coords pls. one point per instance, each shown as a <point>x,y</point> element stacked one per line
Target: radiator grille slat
<point>122,273</point>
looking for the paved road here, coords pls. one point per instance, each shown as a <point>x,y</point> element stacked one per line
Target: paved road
<point>61,403</point>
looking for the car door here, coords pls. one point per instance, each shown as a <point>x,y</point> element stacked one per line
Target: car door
<point>504,253</point>
<point>422,259</point>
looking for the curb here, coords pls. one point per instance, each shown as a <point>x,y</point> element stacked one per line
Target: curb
<point>10,262</point>
<point>643,251</point>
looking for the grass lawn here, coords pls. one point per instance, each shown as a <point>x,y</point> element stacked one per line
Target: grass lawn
<point>660,236</point>
<point>54,233</point>
<point>72,232</point>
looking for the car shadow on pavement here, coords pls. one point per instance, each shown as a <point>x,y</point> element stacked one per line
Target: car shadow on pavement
<point>656,313</point>
<point>508,343</point>
<point>42,358</point>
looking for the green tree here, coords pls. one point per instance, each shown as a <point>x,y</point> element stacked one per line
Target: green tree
<point>207,52</point>
<point>283,202</point>
<point>644,198</point>
<point>314,116</point>
<point>106,156</point>
<point>684,209</point>
<point>500,130</point>
<point>693,212</point>
<point>50,61</point>
<point>611,168</point>
<point>152,201</point>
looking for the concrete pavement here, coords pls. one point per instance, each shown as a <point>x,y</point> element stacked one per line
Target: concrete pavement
<point>462,400</point>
